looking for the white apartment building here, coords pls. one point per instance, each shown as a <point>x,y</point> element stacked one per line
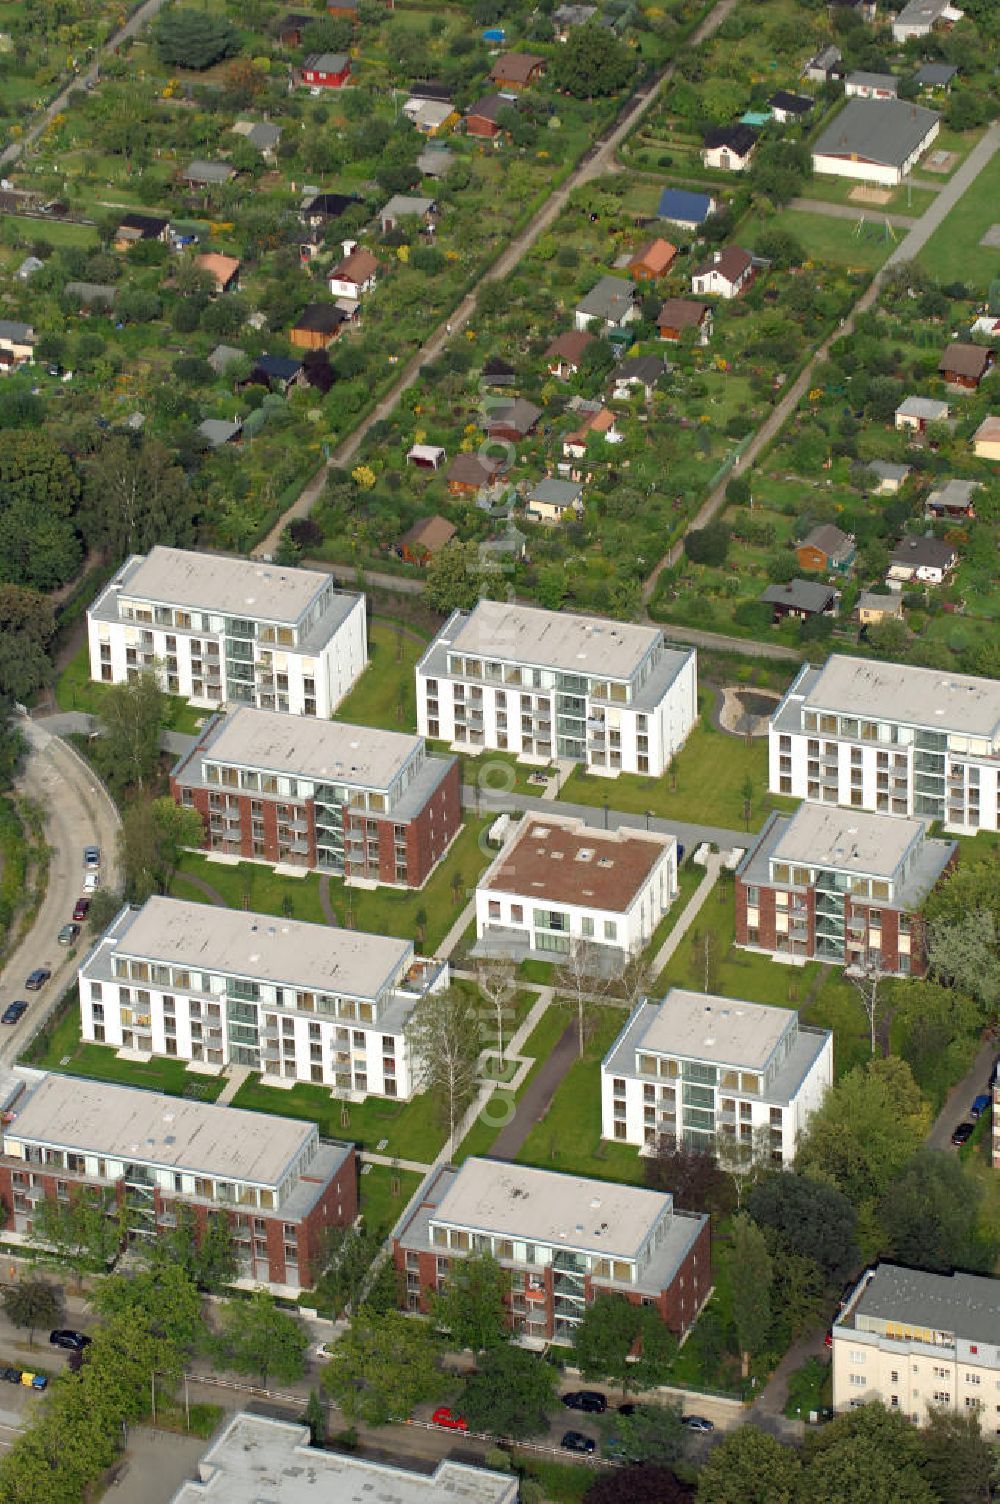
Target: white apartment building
<point>295,1001</point>
<point>891,738</point>
<point>550,685</point>
<point>696,1066</point>
<point>229,631</point>
<point>917,1341</point>
<point>559,881</point>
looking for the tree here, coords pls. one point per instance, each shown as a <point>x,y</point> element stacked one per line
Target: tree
<point>692,1176</point>
<point>194,38</point>
<point>511,1393</point>
<point>810,1218</point>
<point>345,1258</point>
<point>652,1434</point>
<point>443,1038</point>
<point>86,1230</point>
<point>626,1344</point>
<point>868,1453</point>
<point>153,835</point>
<point>592,63</point>
<point>866,1128</point>
<point>958,1460</point>
<point>39,496</point>
<point>867,983</point>
<point>749,1466</point>
<point>315,1419</point>
<point>929,1214</point>
<point>132,717</point>
<point>744,1160</point>
<point>164,1296</point>
<point>471,1306</point>
<point>137,496</point>
<point>496,978</point>
<point>207,1257</point>
<point>455,579</point>
<point>382,1367</point>
<point>34,1303</point>
<point>964,952</point>
<point>638,1485</point>
<point>256,1336</point>
<point>781,248</point>
<point>751,1281</point>
<point>583,976</point>
<point>708,545</point>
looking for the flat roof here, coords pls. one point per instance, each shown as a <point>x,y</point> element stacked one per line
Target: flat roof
<point>127,1122</point>
<point>884,131</point>
<point>257,1458</point>
<point>966,1305</point>
<point>290,951</point>
<point>232,587</point>
<point>721,1030</point>
<point>566,861</point>
<point>309,748</point>
<point>930,697</point>
<point>561,640</point>
<point>545,1206</point>
<point>847,840</point>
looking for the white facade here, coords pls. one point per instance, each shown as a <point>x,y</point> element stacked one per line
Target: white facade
<point>696,1066</point>
<point>560,881</point>
<point>223,987</point>
<point>919,18</point>
<point>916,1341</point>
<point>891,738</point>
<point>726,158</point>
<point>219,630</point>
<point>866,170</point>
<point>549,685</point>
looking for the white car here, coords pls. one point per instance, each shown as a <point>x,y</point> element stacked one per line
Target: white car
<point>91,882</point>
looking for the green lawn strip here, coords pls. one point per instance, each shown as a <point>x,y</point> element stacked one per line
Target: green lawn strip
<point>100,1063</point>
<point>252,885</point>
<point>953,252</point>
<point>688,878</point>
<point>562,1482</point>
<point>385,694</point>
<point>843,242</point>
<point>729,971</point>
<point>711,770</point>
<point>412,1130</point>
<point>380,1206</point>
<point>810,1388</point>
<point>703,1362</point>
<point>537,1047</point>
<point>837,1006</point>
<point>569,1136</point>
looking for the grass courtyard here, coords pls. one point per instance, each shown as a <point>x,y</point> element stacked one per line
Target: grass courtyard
<point>953,253</point>
<point>75,690</point>
<point>402,1130</point>
<point>385,695</point>
<point>844,242</point>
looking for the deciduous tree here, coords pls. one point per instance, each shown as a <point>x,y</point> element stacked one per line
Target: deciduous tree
<point>583,975</point>
<point>958,1460</point>
<point>163,1296</point>
<point>748,1466</point>
<point>869,1454</point>
<point>929,1214</point>
<point>496,978</point>
<point>511,1393</point>
<point>443,1037</point>
<point>692,1176</point>
<point>592,63</point>
<point>865,1130</point>
<point>382,1367</point>
<point>132,717</point>
<point>136,496</point>
<point>86,1230</point>
<point>629,1345</point>
<point>256,1336</point>
<point>810,1217</point>
<point>154,834</point>
<point>639,1485</point>
<point>34,1303</point>
<point>194,39</point>
<point>751,1285</point>
<point>470,1307</point>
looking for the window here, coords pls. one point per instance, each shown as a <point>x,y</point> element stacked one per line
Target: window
<point>858,1380</point>
<point>587,927</point>
<point>610,929</point>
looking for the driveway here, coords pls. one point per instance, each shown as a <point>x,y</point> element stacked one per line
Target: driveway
<point>78,813</point>
<point>962,1096</point>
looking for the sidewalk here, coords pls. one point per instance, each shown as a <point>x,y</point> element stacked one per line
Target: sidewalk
<point>236,1075</point>
<point>687,918</point>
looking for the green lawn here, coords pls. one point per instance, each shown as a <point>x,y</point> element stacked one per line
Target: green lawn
<point>688,878</point>
<point>385,695</point>
<point>411,1130</point>
<point>838,241</point>
<point>728,971</point>
<point>75,690</point>
<point>56,232</point>
<point>378,1204</point>
<point>711,770</point>
<point>379,911</point>
<point>538,1046</point>
<point>809,1388</point>
<point>953,253</point>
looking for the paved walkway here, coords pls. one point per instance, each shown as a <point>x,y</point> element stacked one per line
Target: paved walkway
<point>325,901</point>
<point>871,212</point>
<point>457,930</point>
<point>962,1095</point>
<point>536,1098</point>
<point>688,917</point>
<point>690,836</point>
<point>235,1077</point>
<point>392,1162</point>
<point>767,1411</point>
<point>594,163</point>
<point>212,894</point>
<point>908,248</point>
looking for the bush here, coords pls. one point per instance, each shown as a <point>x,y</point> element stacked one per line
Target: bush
<point>708,545</point>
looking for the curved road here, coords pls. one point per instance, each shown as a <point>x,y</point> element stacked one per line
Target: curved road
<point>78,813</point>
<point>600,159</point>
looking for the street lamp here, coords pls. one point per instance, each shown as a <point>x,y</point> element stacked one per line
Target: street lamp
<point>605,812</point>
<point>649,816</point>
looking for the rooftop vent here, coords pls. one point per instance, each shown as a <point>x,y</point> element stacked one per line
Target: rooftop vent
<point>585,854</point>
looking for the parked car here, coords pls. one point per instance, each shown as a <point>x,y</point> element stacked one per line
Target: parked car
<point>68,934</point>
<point>444,1417</point>
<point>629,1408</point>
<point>575,1441</point>
<point>697,1422</point>
<point>979,1106</point>
<point>10,1375</point>
<point>36,981</point>
<point>91,882</point>
<point>13,1012</point>
<point>65,1336</point>
<point>590,1400</point>
<point>81,908</point>
<point>92,858</point>
<point>962,1134</point>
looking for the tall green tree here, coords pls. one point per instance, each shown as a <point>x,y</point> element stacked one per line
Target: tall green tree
<point>512,1393</point>
<point>929,1214</point>
<point>471,1306</point>
<point>154,835</point>
<point>867,1127</point>
<point>456,577</point>
<point>443,1036</point>
<point>749,1466</point>
<point>592,63</point>
<point>344,1259</point>
<point>959,1463</point>
<point>187,38</point>
<point>132,717</point>
<point>654,1434</point>
<point>646,1484</point>
<point>86,1230</point>
<point>256,1336</point>
<point>965,952</point>
<point>164,1297</point>
<point>136,496</point>
<point>810,1217</point>
<point>868,1454</point>
<point>752,1276</point>
<point>39,496</point>
<point>34,1303</point>
<point>382,1367</point>
<point>626,1344</point>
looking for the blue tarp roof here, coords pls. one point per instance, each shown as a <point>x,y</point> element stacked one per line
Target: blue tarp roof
<point>687,208</point>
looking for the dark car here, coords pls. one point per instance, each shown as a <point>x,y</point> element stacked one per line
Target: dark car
<point>81,908</point>
<point>91,858</point>
<point>979,1106</point>
<point>64,1336</point>
<point>962,1134</point>
<point>629,1408</point>
<point>10,1375</point>
<point>13,1012</point>
<point>38,978</point>
<point>697,1422</point>
<point>590,1400</point>
<point>575,1441</point>
<point>67,935</point>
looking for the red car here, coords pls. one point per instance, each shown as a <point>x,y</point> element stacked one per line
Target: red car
<point>444,1417</point>
<point>80,912</point>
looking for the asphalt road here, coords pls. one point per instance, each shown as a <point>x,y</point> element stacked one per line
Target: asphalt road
<point>78,814</point>
<point>962,1096</point>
